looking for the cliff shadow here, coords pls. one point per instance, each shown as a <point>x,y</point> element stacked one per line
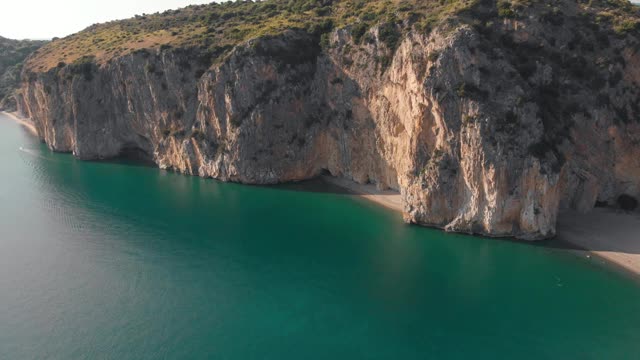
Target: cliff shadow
<point>315,185</point>
<point>318,184</point>
<point>133,154</point>
<point>601,229</point>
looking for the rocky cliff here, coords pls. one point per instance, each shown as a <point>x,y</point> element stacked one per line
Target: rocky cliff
<point>488,124</point>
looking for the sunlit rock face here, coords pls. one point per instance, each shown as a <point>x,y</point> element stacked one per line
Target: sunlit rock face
<point>486,131</point>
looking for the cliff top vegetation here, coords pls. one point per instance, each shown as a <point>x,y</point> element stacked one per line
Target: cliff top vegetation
<point>12,54</point>
<point>218,27</point>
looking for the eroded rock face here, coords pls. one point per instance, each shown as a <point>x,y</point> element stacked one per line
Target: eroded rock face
<point>476,138</point>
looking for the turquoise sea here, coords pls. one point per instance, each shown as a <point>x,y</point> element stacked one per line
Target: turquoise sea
<point>115,260</point>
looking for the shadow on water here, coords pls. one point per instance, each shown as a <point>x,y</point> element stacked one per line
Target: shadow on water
<point>131,156</point>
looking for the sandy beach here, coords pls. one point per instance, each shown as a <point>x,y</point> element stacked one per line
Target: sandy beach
<point>609,234</point>
<point>387,198</point>
<point>613,236</point>
<point>25,123</point>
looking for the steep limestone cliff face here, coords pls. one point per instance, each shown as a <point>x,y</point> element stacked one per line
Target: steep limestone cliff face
<point>453,167</point>
<point>488,130</point>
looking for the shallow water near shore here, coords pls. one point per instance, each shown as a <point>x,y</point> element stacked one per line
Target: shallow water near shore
<point>119,261</point>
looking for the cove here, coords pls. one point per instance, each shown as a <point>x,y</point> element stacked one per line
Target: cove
<point>113,260</point>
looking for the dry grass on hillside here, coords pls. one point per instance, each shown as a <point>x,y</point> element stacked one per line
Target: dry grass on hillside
<point>216,28</point>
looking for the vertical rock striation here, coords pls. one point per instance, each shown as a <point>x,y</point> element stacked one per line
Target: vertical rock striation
<point>482,131</point>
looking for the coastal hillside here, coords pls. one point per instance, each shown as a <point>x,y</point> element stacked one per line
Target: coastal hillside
<point>487,116</point>
<point>12,54</point>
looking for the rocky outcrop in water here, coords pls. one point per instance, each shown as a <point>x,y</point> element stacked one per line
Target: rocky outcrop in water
<point>487,128</point>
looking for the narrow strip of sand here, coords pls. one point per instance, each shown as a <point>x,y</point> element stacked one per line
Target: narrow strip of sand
<point>387,198</point>
<point>611,235</point>
<point>26,123</point>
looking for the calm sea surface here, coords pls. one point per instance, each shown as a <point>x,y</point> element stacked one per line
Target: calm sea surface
<point>117,261</point>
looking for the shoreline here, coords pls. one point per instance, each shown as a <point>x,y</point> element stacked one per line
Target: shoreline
<point>21,121</point>
<point>611,236</point>
<point>608,236</point>
<point>388,198</point>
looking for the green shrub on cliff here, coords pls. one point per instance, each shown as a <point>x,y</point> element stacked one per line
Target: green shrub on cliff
<point>12,54</point>
<point>224,25</point>
<point>218,27</point>
<point>390,35</point>
<point>84,66</point>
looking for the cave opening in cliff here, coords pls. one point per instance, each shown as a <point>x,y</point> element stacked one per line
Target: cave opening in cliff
<point>136,154</point>
<point>627,202</point>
